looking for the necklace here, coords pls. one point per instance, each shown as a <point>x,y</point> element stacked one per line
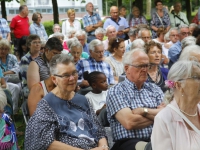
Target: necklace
<point>189,114</point>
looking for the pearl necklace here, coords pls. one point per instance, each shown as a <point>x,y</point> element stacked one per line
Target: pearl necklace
<point>189,114</point>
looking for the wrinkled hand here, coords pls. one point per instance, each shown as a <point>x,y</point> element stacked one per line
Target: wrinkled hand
<point>138,111</point>
<point>161,106</point>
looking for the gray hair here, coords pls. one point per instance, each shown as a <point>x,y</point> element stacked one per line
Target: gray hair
<point>108,27</point>
<point>173,29</point>
<point>180,70</point>
<point>100,30</point>
<point>43,42</point>
<point>58,34</point>
<point>94,43</point>
<point>70,31</point>
<point>56,25</point>
<point>5,44</point>
<point>189,40</point>
<point>142,30</point>
<point>128,56</point>
<point>59,59</point>
<point>87,4</point>
<point>182,26</point>
<point>132,31</point>
<point>166,37</point>
<point>3,99</point>
<point>73,42</point>
<point>138,43</point>
<point>186,52</point>
<point>81,33</point>
<point>193,25</point>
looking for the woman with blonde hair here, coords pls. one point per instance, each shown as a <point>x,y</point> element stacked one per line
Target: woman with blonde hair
<point>71,22</point>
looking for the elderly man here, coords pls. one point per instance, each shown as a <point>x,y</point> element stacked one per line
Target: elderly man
<point>5,30</point>
<point>133,103</point>
<point>145,35</point>
<point>119,23</point>
<point>95,63</point>
<point>82,37</point>
<point>91,21</point>
<point>175,49</point>
<point>177,17</point>
<point>20,25</point>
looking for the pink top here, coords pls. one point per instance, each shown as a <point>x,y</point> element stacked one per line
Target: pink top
<point>170,132</point>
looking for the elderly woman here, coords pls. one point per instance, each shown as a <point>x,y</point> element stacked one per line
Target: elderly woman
<point>60,36</point>
<point>71,22</point>
<point>99,33</point>
<point>82,37</point>
<point>189,40</point>
<point>34,45</point>
<point>160,36</point>
<point>159,19</point>
<point>10,68</point>
<point>190,52</point>
<point>69,122</point>
<point>136,18</point>
<point>138,43</point>
<point>192,26</point>
<point>56,28</point>
<point>37,27</point>
<point>177,126</point>
<point>156,74</point>
<point>117,48</point>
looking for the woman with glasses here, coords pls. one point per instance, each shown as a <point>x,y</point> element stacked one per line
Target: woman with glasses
<point>117,48</point>
<point>156,74</point>
<point>33,44</point>
<point>159,19</point>
<point>177,126</point>
<point>64,119</point>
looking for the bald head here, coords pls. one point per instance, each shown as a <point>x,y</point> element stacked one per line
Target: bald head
<point>114,12</point>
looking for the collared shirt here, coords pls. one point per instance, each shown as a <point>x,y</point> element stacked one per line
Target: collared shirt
<point>86,48</point>
<point>91,65</point>
<point>121,22</point>
<point>126,95</point>
<point>11,64</point>
<point>174,53</point>
<point>132,21</point>
<point>176,21</point>
<point>4,28</point>
<point>39,30</point>
<point>91,20</point>
<point>66,26</point>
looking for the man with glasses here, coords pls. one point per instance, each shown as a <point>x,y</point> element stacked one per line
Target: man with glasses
<point>133,103</point>
<point>94,63</point>
<point>175,49</point>
<point>145,35</point>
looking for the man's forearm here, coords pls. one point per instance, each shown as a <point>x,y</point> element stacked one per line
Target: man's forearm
<point>99,24</point>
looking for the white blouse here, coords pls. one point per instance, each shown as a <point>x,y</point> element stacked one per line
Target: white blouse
<point>66,26</point>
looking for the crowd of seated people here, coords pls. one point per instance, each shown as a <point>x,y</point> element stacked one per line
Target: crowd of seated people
<point>139,78</point>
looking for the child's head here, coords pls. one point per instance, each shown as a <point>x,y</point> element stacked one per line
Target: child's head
<point>97,80</point>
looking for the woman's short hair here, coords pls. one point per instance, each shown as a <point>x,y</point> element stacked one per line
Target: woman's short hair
<point>5,44</point>
<point>187,51</point>
<point>58,34</point>
<point>70,31</point>
<point>70,11</point>
<point>55,26</point>
<point>3,100</point>
<point>81,33</point>
<point>180,70</point>
<point>161,31</point>
<point>189,40</point>
<point>35,16</point>
<point>138,43</point>
<point>193,25</point>
<point>196,32</point>
<point>151,44</point>
<point>114,44</point>
<point>95,43</point>
<point>30,38</point>
<point>73,42</point>
<point>59,59</point>
<point>100,30</point>
<point>157,1</point>
<point>166,37</point>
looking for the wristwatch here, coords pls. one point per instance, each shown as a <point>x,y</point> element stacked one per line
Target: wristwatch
<point>145,111</point>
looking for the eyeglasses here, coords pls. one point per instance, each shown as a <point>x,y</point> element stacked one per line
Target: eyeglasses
<point>174,35</point>
<point>194,77</point>
<point>143,66</point>
<point>67,76</point>
<point>36,42</point>
<point>185,33</point>
<point>99,52</point>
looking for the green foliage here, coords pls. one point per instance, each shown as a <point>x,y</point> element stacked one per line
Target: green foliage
<point>48,27</point>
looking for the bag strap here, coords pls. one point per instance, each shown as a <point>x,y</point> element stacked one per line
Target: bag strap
<point>160,19</point>
<point>185,118</point>
<point>179,18</point>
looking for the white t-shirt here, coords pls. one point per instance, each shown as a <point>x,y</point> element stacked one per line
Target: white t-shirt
<point>97,100</point>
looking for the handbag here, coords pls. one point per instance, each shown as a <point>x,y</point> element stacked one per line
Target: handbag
<point>13,78</point>
<point>185,118</point>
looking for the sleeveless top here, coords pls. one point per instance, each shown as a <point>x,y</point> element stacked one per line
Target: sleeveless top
<point>43,68</point>
<point>44,87</point>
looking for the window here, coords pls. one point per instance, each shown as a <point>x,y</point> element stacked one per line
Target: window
<point>66,9</point>
<point>44,10</point>
<point>76,10</point>
<point>37,10</point>
<point>11,11</point>
<point>17,11</point>
<point>61,10</point>
<point>49,11</point>
<point>30,11</point>
<point>82,9</point>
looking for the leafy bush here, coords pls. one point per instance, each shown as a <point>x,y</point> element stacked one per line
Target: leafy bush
<point>48,27</point>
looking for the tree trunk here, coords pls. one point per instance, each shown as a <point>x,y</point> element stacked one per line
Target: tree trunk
<point>148,9</point>
<point>3,9</point>
<point>188,10</point>
<point>55,11</point>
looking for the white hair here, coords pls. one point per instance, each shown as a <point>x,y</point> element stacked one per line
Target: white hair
<point>189,40</point>
<point>138,43</point>
<point>166,37</point>
<point>94,43</point>
<point>81,33</point>
<point>129,56</point>
<point>108,27</point>
<point>100,30</point>
<point>132,31</point>
<point>142,30</point>
<point>180,70</point>
<point>56,25</point>
<point>73,42</point>
<point>58,34</point>
<point>186,52</point>
<point>193,25</point>
<point>182,26</point>
<point>3,100</point>
<point>173,29</point>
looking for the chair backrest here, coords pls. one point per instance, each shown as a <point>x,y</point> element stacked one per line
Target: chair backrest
<point>148,146</point>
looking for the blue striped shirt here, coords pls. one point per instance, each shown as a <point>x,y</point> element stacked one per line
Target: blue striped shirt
<point>126,95</point>
<point>4,28</point>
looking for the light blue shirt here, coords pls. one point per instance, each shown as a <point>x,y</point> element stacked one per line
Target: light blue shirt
<point>39,30</point>
<point>1,73</point>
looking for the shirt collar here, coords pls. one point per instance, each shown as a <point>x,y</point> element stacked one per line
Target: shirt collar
<point>88,15</point>
<point>36,24</point>
<point>132,84</point>
<point>93,60</point>
<point>114,20</point>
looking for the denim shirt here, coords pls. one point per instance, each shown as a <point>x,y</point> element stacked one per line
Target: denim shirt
<point>39,30</point>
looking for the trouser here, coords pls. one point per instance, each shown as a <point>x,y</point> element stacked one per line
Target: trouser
<point>16,44</point>
<point>90,38</point>
<point>103,118</point>
<point>15,91</point>
<point>127,144</point>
